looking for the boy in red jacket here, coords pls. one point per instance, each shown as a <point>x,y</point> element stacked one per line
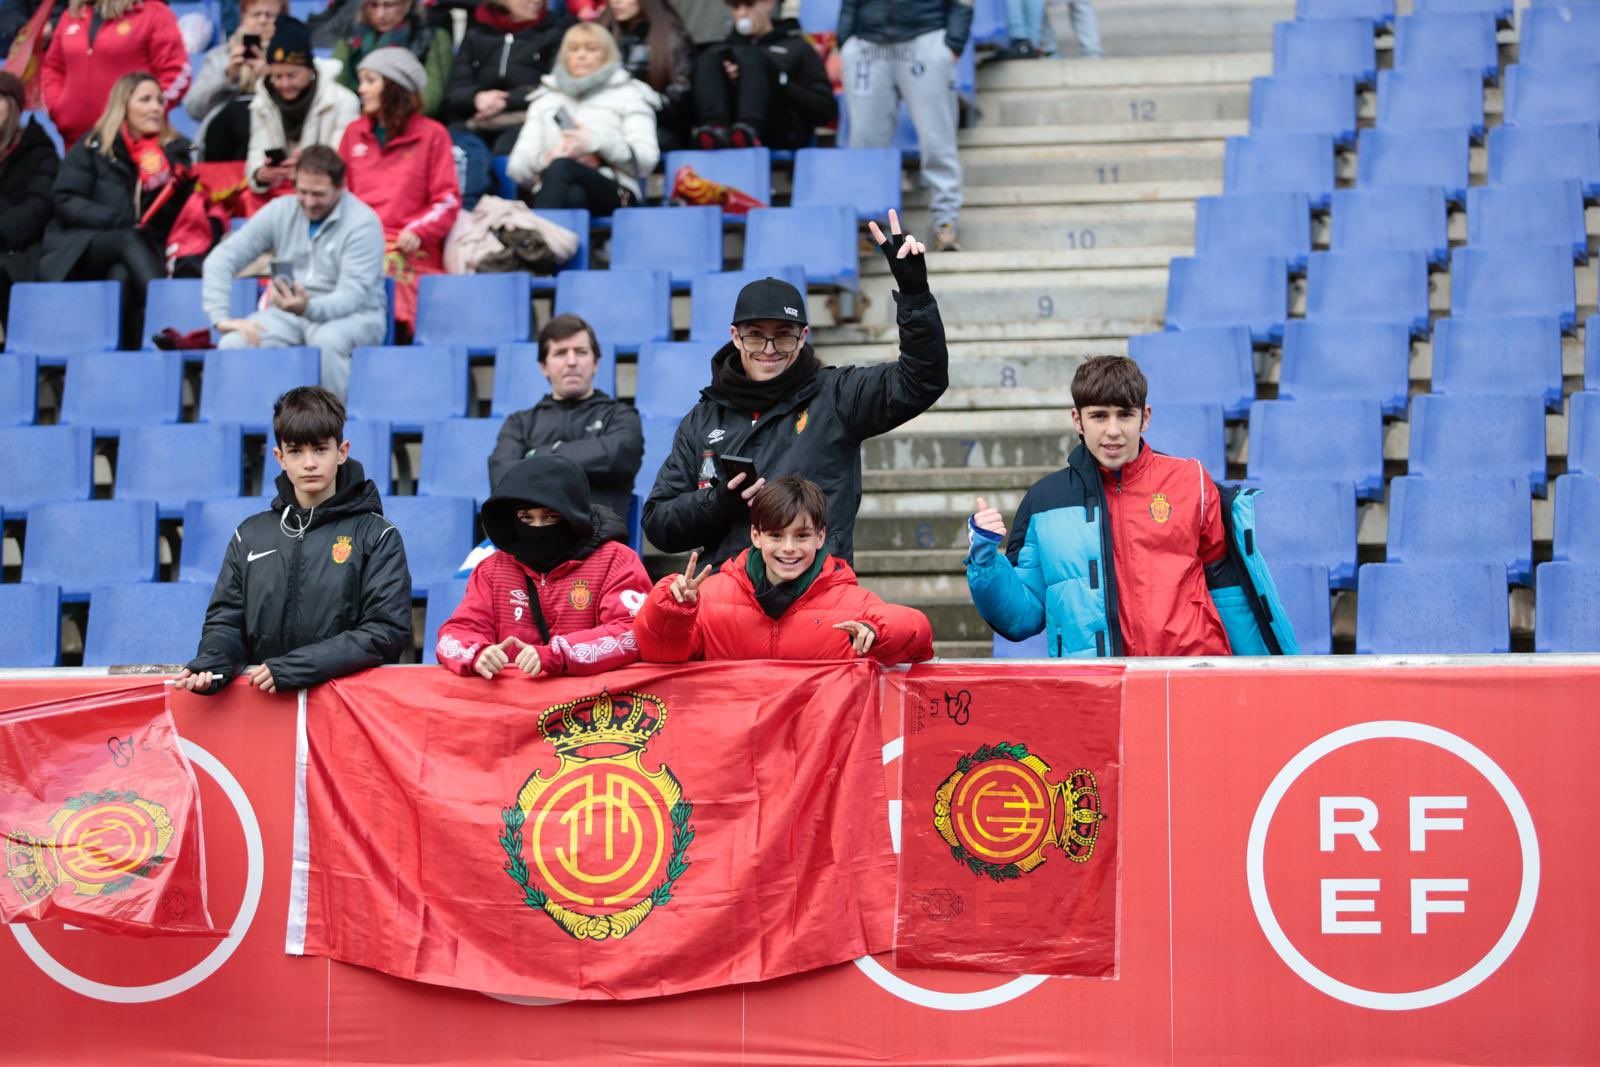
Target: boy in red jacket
<point>783,598</point>
<point>560,595</point>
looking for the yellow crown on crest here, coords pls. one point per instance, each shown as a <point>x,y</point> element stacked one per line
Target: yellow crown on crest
<point>627,719</point>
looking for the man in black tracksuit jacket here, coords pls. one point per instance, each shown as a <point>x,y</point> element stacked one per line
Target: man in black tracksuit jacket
<point>814,420</point>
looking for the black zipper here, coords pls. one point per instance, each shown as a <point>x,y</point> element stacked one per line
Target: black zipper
<point>1113,626</point>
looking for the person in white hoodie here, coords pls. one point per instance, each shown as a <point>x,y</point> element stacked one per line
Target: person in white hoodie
<point>298,104</point>
<point>590,134</point>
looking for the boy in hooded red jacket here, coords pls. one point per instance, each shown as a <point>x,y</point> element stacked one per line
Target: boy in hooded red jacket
<point>560,595</point>
<point>783,598</point>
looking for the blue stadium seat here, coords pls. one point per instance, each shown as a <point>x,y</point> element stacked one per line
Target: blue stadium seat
<point>683,242</point>
<point>1546,153</point>
<point>1206,366</point>
<point>1498,357</point>
<point>438,533</point>
<point>823,238</point>
<point>1306,103</point>
<point>1533,213</point>
<point>1500,9</point>
<point>40,463</point>
<point>1487,435</point>
<point>989,21</point>
<point>868,179</point>
<point>712,296</point>
<point>19,389</point>
<point>1303,590</point>
<point>1498,282</point>
<point>1191,431</point>
<point>1405,218</point>
<point>408,386</point>
<point>1568,615</point>
<point>519,383</point>
<point>478,311</point>
<point>173,465</point>
<point>1379,12</point>
<point>1431,100</point>
<point>443,599</point>
<point>1332,440</point>
<point>1290,162</point>
<point>1347,361</point>
<point>144,622</point>
<point>1326,46</point>
<point>1543,96</point>
<point>30,617</point>
<point>1035,647</point>
<point>748,170</point>
<point>1583,433</point>
<point>1251,291</point>
<point>1414,157</point>
<point>371,445</point>
<point>455,457</point>
<point>107,391</point>
<point>671,375</point>
<point>84,543</point>
<point>626,308</point>
<point>659,431</point>
<point>1268,224</point>
<point>1591,352</point>
<point>175,303</point>
<point>576,220</point>
<point>1426,523</point>
<point>240,385</point>
<point>54,319</point>
<point>1577,518</point>
<point>208,526</point>
<point>1550,36</point>
<point>1299,521</point>
<point>1433,608</point>
<point>1448,42</point>
<point>1389,287</point>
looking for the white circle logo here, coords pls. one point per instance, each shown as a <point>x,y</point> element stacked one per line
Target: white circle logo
<point>1255,867</point>
<point>171,987</point>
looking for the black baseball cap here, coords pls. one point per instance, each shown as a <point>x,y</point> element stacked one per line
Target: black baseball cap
<point>770,298</point>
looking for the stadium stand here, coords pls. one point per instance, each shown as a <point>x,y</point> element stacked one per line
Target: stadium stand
<point>479,311</point>
<point>1327,46</point>
<point>576,220</point>
<point>208,526</point>
<point>1204,366</point>
<point>239,385</point>
<point>19,389</point>
<point>1229,290</point>
<point>144,623</point>
<point>1530,213</point>
<point>175,303</point>
<point>1551,36</point>
<point>30,617</point>
<point>748,170</point>
<point>519,383</point>
<point>1336,440</point>
<point>1426,522</point>
<point>1269,224</point>
<point>1304,103</point>
<point>1569,607</point>
<point>1500,9</point>
<point>173,465</point>
<point>868,179</point>
<point>1387,287</point>
<point>1347,361</point>
<point>438,533</point>
<point>1486,435</point>
<point>58,550</point>
<point>455,457</point>
<point>1403,218</point>
<point>1431,100</point>
<point>1501,282</point>
<point>107,391</point>
<point>1576,531</point>
<point>1291,162</point>
<point>1191,431</point>
<point>1440,608</point>
<point>671,375</point>
<point>44,463</point>
<point>54,319</point>
<point>823,238</point>
<point>408,386</point>
<point>1309,522</point>
<point>1546,153</point>
<point>597,296</point>
<point>1541,96</point>
<point>1439,157</point>
<point>683,242</point>
<point>1498,357</point>
<point>1377,12</point>
<point>1303,589</point>
<point>1448,42</point>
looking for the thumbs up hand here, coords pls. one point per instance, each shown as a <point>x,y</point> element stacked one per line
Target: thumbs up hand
<point>990,519</point>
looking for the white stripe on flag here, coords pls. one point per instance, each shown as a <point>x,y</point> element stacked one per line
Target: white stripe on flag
<point>294,942</point>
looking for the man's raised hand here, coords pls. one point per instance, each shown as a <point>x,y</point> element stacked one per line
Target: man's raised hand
<point>907,256</point>
<point>988,518</point>
<point>685,587</point>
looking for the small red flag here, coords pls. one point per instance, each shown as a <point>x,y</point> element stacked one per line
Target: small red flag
<point>27,52</point>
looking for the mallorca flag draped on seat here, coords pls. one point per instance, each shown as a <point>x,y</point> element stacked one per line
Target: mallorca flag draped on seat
<point>101,816</point>
<point>646,832</point>
<point>1009,818</point>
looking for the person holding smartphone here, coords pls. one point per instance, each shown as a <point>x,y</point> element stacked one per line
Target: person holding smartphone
<point>298,104</point>
<point>227,79</point>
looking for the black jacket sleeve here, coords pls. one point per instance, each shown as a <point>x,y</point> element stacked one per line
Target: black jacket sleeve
<point>22,221</point>
<point>222,638</point>
<point>615,453</point>
<point>874,400</point>
<point>809,91</point>
<point>77,205</point>
<point>958,25</point>
<point>463,83</point>
<point>381,634</point>
<point>679,516</point>
<point>510,448</point>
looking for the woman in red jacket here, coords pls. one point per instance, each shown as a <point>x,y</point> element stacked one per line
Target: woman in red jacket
<point>784,598</point>
<point>400,165</point>
<point>98,41</point>
<point>560,595</point>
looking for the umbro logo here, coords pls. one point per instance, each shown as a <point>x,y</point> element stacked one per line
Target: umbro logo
<point>716,435</point>
<point>253,556</point>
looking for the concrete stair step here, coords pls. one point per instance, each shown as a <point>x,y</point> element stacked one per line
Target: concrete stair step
<point>1138,294</point>
<point>879,330</point>
<point>990,132</point>
<point>1118,106</point>
<point>963,649</point>
<point>1069,227</point>
<point>916,561</point>
<point>1092,193</point>
<point>953,618</point>
<point>968,481</point>
<point>999,264</point>
<point>992,355</point>
<point>1092,164</point>
<point>1133,73</point>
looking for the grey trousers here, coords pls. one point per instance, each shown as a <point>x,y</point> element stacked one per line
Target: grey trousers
<point>336,339</point>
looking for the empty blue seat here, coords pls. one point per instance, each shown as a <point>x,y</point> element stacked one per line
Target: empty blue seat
<point>1567,617</point>
<point>438,534</point>
<point>443,599</point>
<point>659,432</point>
<point>1546,153</point>
<point>671,375</point>
<point>1583,433</point>
<point>1431,100</point>
<point>84,543</point>
<point>1289,162</point>
<point>208,526</point>
<point>1379,12</point>
<point>1555,35</point>
<point>53,319</point>
<point>712,296</point>
<point>626,308</point>
<point>174,303</point>
<point>19,389</point>
<point>1533,213</point>
<point>821,237</point>
<point>240,385</point>
<point>1498,357</point>
<point>683,242</point>
<point>1500,282</point>
<point>576,220</point>
<point>748,170</point>
<point>1406,218</point>
<point>1303,591</point>
<point>1191,431</point>
<point>1327,440</point>
<point>1304,103</point>
<point>1326,46</point>
<point>1462,519</point>
<point>1389,287</point>
<point>1347,361</point>
<point>455,457</point>
<point>1268,224</point>
<point>1300,521</point>
<point>1543,96</point>
<point>30,617</point>
<point>107,391</point>
<point>479,311</point>
<point>40,463</point>
<point>1205,366</point>
<point>1448,42</point>
<point>1591,352</point>
<point>407,386</point>
<point>144,622</point>
<point>1035,647</point>
<point>1433,608</point>
<point>1414,157</point>
<point>867,179</point>
<point>173,465</point>
<point>519,382</point>
<point>1500,9</point>
<point>371,445</point>
<point>1486,435</point>
<point>1577,518</point>
<point>1250,291</point>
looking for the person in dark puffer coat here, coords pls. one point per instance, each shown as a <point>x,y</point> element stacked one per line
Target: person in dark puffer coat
<point>28,165</point>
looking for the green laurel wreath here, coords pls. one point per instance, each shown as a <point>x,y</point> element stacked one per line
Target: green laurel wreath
<point>999,872</point>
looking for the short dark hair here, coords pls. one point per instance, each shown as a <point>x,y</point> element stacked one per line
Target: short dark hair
<point>1109,381</point>
<point>396,105</point>
<point>562,327</point>
<point>320,159</point>
<point>785,499</point>
<point>307,415</point>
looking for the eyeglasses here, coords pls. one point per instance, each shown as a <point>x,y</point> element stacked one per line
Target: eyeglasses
<point>784,344</point>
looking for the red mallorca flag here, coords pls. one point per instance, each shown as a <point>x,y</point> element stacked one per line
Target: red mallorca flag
<point>102,817</point>
<point>641,833</point>
<point>1009,818</point>
<point>27,52</point>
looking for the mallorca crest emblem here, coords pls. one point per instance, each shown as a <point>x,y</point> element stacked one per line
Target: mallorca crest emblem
<point>580,596</point>
<point>599,845</point>
<point>341,549</point>
<point>800,423</point>
<point>98,844</point>
<point>1160,507</point>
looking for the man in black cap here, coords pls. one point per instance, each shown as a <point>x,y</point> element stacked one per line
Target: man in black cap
<point>772,402</point>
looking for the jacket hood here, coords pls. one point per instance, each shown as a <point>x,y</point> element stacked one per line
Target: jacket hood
<point>353,494</point>
<point>34,138</point>
<point>551,481</point>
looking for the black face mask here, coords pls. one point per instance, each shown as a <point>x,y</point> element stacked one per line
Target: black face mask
<point>544,548</point>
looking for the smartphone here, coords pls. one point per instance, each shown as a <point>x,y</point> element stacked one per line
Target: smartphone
<point>283,268</point>
<point>252,44</point>
<point>276,156</point>
<point>564,120</point>
<point>734,465</point>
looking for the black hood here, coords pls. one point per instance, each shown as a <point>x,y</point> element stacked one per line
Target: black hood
<point>353,494</point>
<point>33,137</point>
<point>551,481</point>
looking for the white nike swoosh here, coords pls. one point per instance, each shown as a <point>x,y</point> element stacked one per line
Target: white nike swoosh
<point>252,557</point>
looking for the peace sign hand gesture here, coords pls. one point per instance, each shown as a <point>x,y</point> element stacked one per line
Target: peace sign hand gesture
<point>685,587</point>
<point>907,256</point>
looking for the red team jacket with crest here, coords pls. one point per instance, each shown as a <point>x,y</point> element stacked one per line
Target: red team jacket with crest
<point>77,73</point>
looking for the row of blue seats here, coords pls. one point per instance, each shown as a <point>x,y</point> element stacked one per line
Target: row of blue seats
<point>1551,31</point>
<point>867,179</point>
